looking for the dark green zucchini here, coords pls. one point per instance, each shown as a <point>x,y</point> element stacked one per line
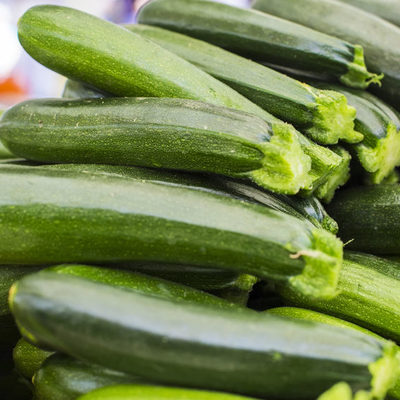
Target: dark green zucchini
<point>65,216</point>
<point>262,37</point>
<point>65,378</point>
<point>378,37</point>
<point>322,115</point>
<point>28,358</point>
<point>161,133</point>
<point>161,338</point>
<point>67,41</point>
<point>368,216</point>
<point>386,9</point>
<point>368,295</point>
<point>379,152</point>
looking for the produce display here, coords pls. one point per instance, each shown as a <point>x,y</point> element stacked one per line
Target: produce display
<point>211,208</point>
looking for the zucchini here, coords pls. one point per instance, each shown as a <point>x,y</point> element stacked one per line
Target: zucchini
<point>324,115</point>
<point>262,37</point>
<point>28,358</point>
<point>379,152</point>
<point>65,378</point>
<point>65,216</point>
<point>386,9</point>
<point>362,210</point>
<point>48,307</point>
<point>367,295</point>
<point>67,41</point>
<point>349,23</point>
<point>128,131</point>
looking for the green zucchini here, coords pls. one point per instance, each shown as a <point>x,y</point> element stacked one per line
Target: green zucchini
<point>65,216</point>
<point>262,37</point>
<point>28,358</point>
<point>67,41</point>
<point>367,295</point>
<point>368,217</point>
<point>386,9</point>
<point>64,378</point>
<point>128,131</point>
<point>378,37</point>
<point>259,348</point>
<point>323,115</point>
<point>342,391</point>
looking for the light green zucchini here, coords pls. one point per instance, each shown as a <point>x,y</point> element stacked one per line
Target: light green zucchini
<point>324,116</point>
<point>161,133</point>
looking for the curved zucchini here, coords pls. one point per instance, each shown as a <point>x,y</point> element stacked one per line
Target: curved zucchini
<point>368,295</point>
<point>161,133</point>
<point>386,9</point>
<point>48,308</point>
<point>67,41</point>
<point>262,37</point>
<point>362,210</point>
<point>65,378</point>
<point>28,358</point>
<point>379,152</point>
<point>323,115</point>
<point>55,215</point>
<point>349,23</point>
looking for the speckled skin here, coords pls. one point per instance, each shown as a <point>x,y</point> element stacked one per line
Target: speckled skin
<point>369,216</point>
<point>191,345</point>
<point>256,35</point>
<point>55,215</point>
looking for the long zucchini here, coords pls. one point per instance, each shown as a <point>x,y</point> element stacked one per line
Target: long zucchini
<point>323,115</point>
<point>368,217</point>
<point>378,37</point>
<point>161,133</point>
<point>368,295</point>
<point>386,9</point>
<point>262,37</point>
<point>160,338</point>
<point>66,216</point>
<point>65,378</point>
<point>67,41</point>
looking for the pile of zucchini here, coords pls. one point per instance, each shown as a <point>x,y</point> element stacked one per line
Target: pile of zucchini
<point>162,228</point>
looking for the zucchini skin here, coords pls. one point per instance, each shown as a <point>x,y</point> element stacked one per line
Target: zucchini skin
<point>64,378</point>
<point>323,115</point>
<point>127,131</point>
<point>246,31</point>
<point>48,307</point>
<point>67,41</point>
<point>76,220</point>
<point>348,22</point>
<point>364,209</point>
<point>368,295</point>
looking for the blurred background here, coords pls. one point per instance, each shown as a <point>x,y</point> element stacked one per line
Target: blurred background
<point>20,76</point>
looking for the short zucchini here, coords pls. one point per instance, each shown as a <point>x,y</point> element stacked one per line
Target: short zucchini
<point>363,210</point>
<point>349,23</point>
<point>368,295</point>
<point>48,307</point>
<point>262,37</point>
<point>55,215</point>
<point>324,115</point>
<point>161,133</point>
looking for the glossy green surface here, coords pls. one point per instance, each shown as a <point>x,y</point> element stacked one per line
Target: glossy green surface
<point>368,295</point>
<point>369,217</point>
<point>380,40</point>
<point>182,134</point>
<point>28,358</point>
<point>122,63</point>
<point>54,215</point>
<point>192,345</point>
<point>322,115</point>
<point>65,378</point>
<point>261,37</point>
